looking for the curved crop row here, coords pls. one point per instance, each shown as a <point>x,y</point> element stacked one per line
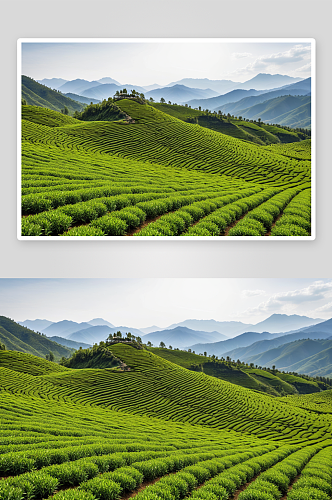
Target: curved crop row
<point>296,218</point>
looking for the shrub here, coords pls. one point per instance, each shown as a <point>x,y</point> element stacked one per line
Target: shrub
<point>102,488</point>
<point>84,231</point>
<point>28,228</point>
<point>73,495</point>
<point>110,225</point>
<point>307,494</point>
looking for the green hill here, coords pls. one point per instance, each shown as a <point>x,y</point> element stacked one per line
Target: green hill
<point>27,363</point>
<point>233,126</point>
<point>275,384</point>
<point>319,364</point>
<point>156,431</point>
<point>86,175</point>
<point>157,388</point>
<point>36,94</point>
<point>302,356</point>
<point>273,109</point>
<point>19,338</point>
<point>299,117</point>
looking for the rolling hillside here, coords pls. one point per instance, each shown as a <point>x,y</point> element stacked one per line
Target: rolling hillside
<point>152,157</point>
<point>95,434</point>
<point>275,383</point>
<point>258,133</point>
<point>291,354</point>
<point>244,353</point>
<point>293,111</point>
<point>19,338</point>
<point>179,395</point>
<point>36,94</point>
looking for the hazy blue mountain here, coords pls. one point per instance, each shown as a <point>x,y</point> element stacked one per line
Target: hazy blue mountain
<point>236,108</point>
<point>301,85</point>
<point>267,81</point>
<point>107,79</point>
<point>277,323</point>
<point>84,100</point>
<point>100,321</point>
<point>70,343</point>
<point>96,334</point>
<point>321,327</point>
<point>108,90</point>
<point>298,117</point>
<point>180,337</point>
<point>244,353</point>
<point>152,87</point>
<point>150,329</point>
<point>179,93</point>
<point>38,325</point>
<point>219,86</point>
<point>53,83</point>
<point>220,348</point>
<point>284,110</point>
<point>77,86</point>
<point>227,328</point>
<point>317,365</point>
<point>215,102</point>
<point>64,328</point>
<point>291,357</point>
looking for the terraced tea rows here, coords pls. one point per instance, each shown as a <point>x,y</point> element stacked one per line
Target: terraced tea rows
<point>87,435</point>
<point>74,173</point>
<point>148,389</point>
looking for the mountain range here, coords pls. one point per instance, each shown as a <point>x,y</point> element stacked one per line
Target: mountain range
<point>293,343</point>
<point>240,99</point>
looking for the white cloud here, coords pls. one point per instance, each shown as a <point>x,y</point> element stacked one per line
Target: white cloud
<point>286,301</point>
<point>305,69</point>
<point>325,309</point>
<point>275,63</point>
<point>252,293</point>
<point>241,55</point>
<point>293,55</point>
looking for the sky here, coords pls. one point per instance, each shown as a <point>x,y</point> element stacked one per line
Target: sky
<point>147,63</point>
<point>139,303</point>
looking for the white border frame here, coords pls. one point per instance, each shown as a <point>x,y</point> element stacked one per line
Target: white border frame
<point>312,41</point>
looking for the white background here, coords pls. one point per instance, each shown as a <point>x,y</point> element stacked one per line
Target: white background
<point>159,18</point>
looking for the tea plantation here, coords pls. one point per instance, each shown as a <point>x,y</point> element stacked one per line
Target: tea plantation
<point>154,430</point>
<point>153,174</point>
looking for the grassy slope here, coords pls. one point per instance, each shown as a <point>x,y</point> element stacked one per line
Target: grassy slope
<point>273,108</point>
<point>299,117</point>
<point>294,355</point>
<point>18,337</point>
<point>158,388</point>
<point>39,95</point>
<point>236,128</point>
<point>275,384</point>
<point>318,402</point>
<point>157,137</point>
<point>27,363</point>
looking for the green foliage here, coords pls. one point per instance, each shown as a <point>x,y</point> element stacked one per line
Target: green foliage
<point>90,172</point>
<point>105,111</point>
<point>99,356</point>
<point>102,488</point>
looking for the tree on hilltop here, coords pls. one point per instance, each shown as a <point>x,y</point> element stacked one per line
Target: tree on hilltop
<point>162,344</point>
<point>2,347</point>
<point>162,100</point>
